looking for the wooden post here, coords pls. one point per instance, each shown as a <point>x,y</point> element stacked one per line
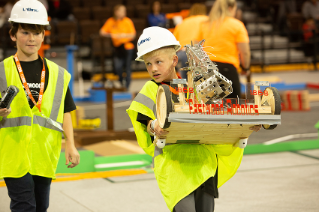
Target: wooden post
<point>109,105</point>
<point>109,109</point>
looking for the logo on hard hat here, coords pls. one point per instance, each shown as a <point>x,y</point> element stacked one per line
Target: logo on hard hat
<point>144,40</point>
<point>30,10</point>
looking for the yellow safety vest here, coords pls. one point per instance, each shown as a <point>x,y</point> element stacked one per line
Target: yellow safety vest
<point>28,143</point>
<point>181,168</point>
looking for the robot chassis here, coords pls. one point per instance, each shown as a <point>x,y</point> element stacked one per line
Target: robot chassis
<point>210,88</point>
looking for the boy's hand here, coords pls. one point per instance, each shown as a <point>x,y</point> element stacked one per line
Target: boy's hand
<point>255,128</point>
<point>4,112</point>
<point>72,155</point>
<point>159,132</point>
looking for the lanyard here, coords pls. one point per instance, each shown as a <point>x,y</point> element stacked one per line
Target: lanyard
<point>170,87</point>
<point>24,82</point>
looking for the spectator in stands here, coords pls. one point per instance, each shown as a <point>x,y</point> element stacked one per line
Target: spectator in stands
<point>284,8</point>
<point>310,9</point>
<point>187,31</point>
<point>5,12</point>
<point>60,10</point>
<point>156,18</point>
<point>122,31</point>
<point>226,38</point>
<point>309,27</point>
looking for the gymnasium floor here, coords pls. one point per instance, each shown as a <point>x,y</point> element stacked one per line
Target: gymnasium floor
<point>269,182</point>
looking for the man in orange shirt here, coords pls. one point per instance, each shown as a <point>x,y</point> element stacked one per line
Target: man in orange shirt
<point>122,31</point>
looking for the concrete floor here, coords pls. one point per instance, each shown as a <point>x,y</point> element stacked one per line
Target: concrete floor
<point>276,182</point>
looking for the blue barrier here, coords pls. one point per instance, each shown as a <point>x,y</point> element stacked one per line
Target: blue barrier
<point>281,86</point>
<point>70,63</point>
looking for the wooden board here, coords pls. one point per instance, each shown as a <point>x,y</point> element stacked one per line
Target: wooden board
<point>207,133</point>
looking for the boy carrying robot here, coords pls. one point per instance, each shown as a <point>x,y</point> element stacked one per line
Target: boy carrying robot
<point>188,175</point>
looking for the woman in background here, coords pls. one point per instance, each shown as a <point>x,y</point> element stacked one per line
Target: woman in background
<point>226,38</point>
<point>187,31</point>
<point>156,18</point>
<point>122,31</point>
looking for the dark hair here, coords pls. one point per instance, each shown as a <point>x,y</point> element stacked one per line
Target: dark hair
<point>31,27</point>
<point>116,7</point>
<point>152,6</point>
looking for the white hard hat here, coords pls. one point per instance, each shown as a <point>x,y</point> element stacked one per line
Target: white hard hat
<point>29,12</point>
<point>154,38</point>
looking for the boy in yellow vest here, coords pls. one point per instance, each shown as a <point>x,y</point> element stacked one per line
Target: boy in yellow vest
<point>186,174</point>
<point>31,130</point>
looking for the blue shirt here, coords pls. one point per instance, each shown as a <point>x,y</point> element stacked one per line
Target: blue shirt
<point>156,20</point>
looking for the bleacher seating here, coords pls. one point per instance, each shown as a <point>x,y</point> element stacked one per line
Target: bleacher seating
<point>75,3</point>
<point>134,2</point>
<point>142,10</point>
<point>88,28</point>
<point>92,3</point>
<point>102,14</point>
<point>169,8</point>
<point>65,32</point>
<point>111,3</point>
<point>82,13</point>
<point>130,11</point>
<point>184,6</point>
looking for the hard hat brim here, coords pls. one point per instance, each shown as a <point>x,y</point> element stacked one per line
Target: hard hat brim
<point>29,21</point>
<point>177,47</point>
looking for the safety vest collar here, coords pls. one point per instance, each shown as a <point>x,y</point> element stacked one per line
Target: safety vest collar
<point>58,94</point>
<point>3,81</point>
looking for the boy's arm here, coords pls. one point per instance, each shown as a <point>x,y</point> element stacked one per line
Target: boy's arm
<point>4,112</point>
<point>71,153</point>
<point>158,131</point>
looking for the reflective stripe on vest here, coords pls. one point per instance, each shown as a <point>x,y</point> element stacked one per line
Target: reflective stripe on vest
<point>146,101</point>
<point>43,122</point>
<point>15,122</point>
<point>58,95</point>
<point>3,80</point>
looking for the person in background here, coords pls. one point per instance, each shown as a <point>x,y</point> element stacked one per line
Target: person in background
<point>122,31</point>
<point>186,32</point>
<point>156,18</point>
<point>5,11</point>
<point>308,28</point>
<point>310,9</point>
<point>226,38</point>
<point>284,8</point>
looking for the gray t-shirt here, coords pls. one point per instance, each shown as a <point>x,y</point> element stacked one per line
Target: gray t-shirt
<point>309,10</point>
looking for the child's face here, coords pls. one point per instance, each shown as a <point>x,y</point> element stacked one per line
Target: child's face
<point>28,42</point>
<point>161,67</point>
